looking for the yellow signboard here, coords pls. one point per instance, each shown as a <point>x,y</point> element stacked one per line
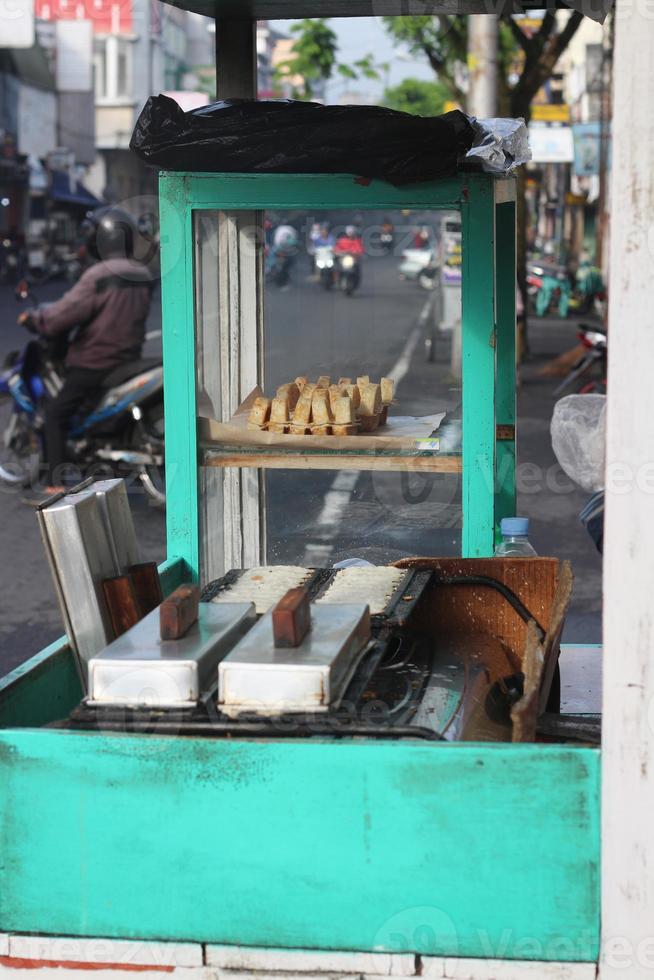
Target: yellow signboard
<point>550,113</point>
<point>576,200</point>
<point>529,24</point>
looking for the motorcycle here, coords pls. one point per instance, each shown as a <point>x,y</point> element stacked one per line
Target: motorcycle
<point>387,239</point>
<point>125,427</point>
<point>11,260</point>
<point>279,263</point>
<point>548,286</point>
<point>325,264</point>
<point>595,354</point>
<point>348,272</point>
<point>415,261</point>
<point>552,287</point>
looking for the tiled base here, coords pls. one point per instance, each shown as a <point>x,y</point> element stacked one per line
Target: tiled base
<point>69,958</point>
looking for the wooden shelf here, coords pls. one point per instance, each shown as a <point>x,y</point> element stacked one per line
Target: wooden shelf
<point>260,458</point>
<point>446,459</point>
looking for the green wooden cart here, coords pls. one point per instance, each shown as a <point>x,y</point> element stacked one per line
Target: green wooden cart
<point>468,851</point>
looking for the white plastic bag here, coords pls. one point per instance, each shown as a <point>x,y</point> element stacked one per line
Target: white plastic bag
<point>500,145</point>
<point>578,432</point>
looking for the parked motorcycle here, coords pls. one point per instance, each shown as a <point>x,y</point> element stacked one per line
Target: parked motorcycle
<point>348,272</point>
<point>125,426</point>
<point>414,261</point>
<point>12,261</point>
<point>554,288</point>
<point>548,287</point>
<point>594,357</point>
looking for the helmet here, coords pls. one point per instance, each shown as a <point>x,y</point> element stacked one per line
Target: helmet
<point>109,233</point>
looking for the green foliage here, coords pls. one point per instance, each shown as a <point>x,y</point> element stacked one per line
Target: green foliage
<point>314,59</point>
<point>313,54</point>
<point>441,39</point>
<point>526,60</point>
<point>422,98</point>
<point>206,80</point>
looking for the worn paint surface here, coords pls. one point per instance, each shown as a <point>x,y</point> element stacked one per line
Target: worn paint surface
<point>47,687</point>
<point>478,285</point>
<point>180,402</point>
<point>505,408</point>
<point>44,688</point>
<point>456,849</point>
<point>628,665</point>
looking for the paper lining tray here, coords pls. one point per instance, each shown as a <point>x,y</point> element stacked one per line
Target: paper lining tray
<point>400,432</point>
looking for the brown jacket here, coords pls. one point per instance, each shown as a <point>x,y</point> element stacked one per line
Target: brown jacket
<point>109,305</point>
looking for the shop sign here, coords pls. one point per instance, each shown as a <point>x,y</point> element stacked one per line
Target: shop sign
<point>37,115</point>
<point>17,24</point>
<point>551,144</point>
<point>551,113</point>
<point>587,143</point>
<point>576,200</point>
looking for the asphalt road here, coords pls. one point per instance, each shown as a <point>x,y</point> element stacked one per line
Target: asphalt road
<point>378,331</point>
<point>323,517</point>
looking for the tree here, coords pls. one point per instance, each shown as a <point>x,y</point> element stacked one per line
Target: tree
<point>313,55</point>
<point>314,59</point>
<point>525,62</point>
<point>420,97</point>
<point>443,41</point>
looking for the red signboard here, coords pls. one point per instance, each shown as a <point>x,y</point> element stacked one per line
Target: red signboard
<point>107,16</point>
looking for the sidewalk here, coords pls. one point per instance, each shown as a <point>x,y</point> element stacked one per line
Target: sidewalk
<point>554,508</point>
<point>545,494</point>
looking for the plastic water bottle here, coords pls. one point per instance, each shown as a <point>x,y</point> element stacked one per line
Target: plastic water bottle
<point>515,541</point>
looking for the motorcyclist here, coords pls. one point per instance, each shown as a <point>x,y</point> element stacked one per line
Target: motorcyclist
<point>108,305</point>
<point>421,239</point>
<point>387,235</point>
<point>324,239</point>
<point>350,243</point>
<point>282,255</point>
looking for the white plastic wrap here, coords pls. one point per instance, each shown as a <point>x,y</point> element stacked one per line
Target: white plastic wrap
<point>500,144</point>
<point>578,432</point>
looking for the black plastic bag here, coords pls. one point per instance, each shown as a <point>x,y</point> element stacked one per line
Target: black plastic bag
<point>243,136</point>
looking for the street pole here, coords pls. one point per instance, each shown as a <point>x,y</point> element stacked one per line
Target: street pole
<point>482,65</point>
<point>482,103</point>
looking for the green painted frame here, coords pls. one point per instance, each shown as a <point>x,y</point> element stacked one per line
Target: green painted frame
<point>487,207</point>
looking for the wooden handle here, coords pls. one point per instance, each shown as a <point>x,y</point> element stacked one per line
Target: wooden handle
<point>178,612</point>
<point>147,586</point>
<point>122,604</point>
<point>291,619</point>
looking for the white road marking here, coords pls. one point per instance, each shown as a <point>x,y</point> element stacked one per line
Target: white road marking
<point>344,483</point>
<point>401,367</point>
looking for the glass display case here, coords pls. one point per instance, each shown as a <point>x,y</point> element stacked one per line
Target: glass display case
<point>246,309</point>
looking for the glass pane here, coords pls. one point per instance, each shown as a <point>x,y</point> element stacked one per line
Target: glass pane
<point>393,311</point>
